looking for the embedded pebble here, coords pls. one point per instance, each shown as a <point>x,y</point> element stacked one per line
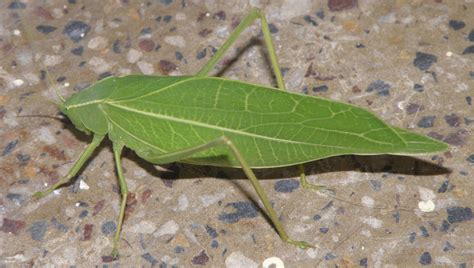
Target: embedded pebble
<point>166,2</point>
<point>412,237</point>
<point>63,228</point>
<point>16,197</point>
<point>201,259</point>
<point>208,200</point>
<point>237,260</point>
<point>444,261</point>
<point>11,145</point>
<point>294,78</point>
<point>426,121</point>
<point>426,206</point>
<point>146,45</point>
<point>176,40</point>
<point>143,227</point>
<point>32,78</point>
<point>312,253</point>
<point>180,16</point>
<point>76,30</point>
<point>423,61</point>
<point>444,187</point>
<point>108,227</point>
<point>243,210</point>
<point>97,43</point>
<point>24,57</point>
<point>470,37</point>
<point>459,214</point>
<point>368,201</point>
<point>12,226</point>
<point>46,29</point>
<point>183,203</point>
<point>10,120</point>
<point>382,88</point>
<point>168,228</point>
<point>99,65</point>
<point>425,258</point>
<point>470,159</point>
<point>77,51</point>
<point>456,24</point>
<point>289,10</point>
<point>468,50</point>
<point>38,230</point>
<point>376,185</point>
<point>16,5</point>
<point>52,60</point>
<point>372,222</point>
<point>448,246</point>
<point>424,231</point>
<point>419,88</point>
<point>329,256</point>
<point>273,262</point>
<point>18,82</point>
<point>286,186</point>
<point>453,120</point>
<point>146,68</point>
<point>45,135</point>
<point>389,18</point>
<point>68,256</point>
<point>322,88</point>
<point>211,231</point>
<point>149,258</point>
<point>339,5</point>
<point>426,194</point>
<point>83,185</point>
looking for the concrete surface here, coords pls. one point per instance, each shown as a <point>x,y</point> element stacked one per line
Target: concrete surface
<point>410,62</point>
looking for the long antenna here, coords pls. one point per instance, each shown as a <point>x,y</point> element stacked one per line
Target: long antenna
<point>48,75</point>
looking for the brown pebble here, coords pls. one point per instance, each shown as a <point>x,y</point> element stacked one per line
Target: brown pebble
<point>167,67</point>
<point>457,138</point>
<point>200,259</point>
<point>205,32</point>
<point>43,13</point>
<point>146,195</point>
<point>338,5</point>
<point>131,202</point>
<point>55,152</point>
<point>87,233</point>
<point>12,226</point>
<point>98,207</point>
<point>146,45</point>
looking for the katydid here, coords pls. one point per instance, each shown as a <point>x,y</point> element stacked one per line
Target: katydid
<point>214,121</point>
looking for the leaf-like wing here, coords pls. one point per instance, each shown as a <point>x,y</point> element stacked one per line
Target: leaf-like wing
<point>418,144</point>
<point>270,127</point>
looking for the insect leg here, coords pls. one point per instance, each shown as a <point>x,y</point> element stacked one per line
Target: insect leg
<point>187,153</point>
<point>307,185</point>
<point>281,85</point>
<point>75,168</point>
<point>245,23</point>
<point>117,148</point>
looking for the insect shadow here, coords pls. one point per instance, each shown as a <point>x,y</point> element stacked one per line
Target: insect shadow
<point>254,41</point>
<point>391,164</point>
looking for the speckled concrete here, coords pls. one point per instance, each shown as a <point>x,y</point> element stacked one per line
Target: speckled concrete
<point>410,62</point>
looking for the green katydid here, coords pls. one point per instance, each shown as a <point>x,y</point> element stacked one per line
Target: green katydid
<point>215,121</point>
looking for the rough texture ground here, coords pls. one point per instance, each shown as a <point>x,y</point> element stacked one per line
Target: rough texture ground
<point>410,62</point>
